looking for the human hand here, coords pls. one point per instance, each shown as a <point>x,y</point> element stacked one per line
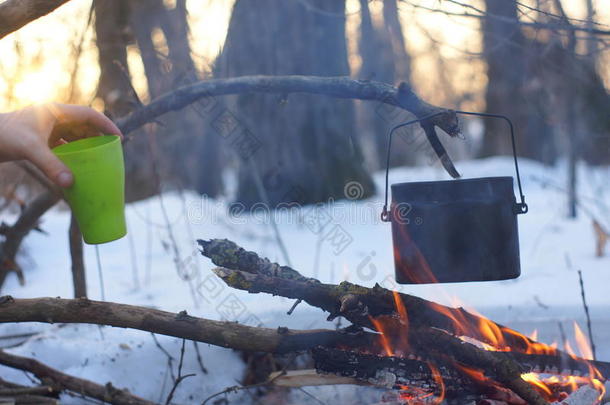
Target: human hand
<point>30,133</point>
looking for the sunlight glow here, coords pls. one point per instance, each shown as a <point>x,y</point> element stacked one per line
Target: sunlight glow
<point>23,80</point>
<point>36,87</point>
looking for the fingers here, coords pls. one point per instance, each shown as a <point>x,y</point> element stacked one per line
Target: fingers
<point>51,166</point>
<point>66,113</point>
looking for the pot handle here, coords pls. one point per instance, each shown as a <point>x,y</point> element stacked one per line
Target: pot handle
<point>520,208</point>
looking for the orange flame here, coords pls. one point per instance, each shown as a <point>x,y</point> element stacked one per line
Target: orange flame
<point>492,337</point>
<point>534,379</point>
<point>438,379</point>
<point>414,267</point>
<point>383,336</point>
<point>582,343</point>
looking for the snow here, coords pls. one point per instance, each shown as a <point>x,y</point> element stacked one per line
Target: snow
<point>140,269</point>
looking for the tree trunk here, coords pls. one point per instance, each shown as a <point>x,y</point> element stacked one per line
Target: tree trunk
<point>194,160</point>
<point>384,58</point>
<point>111,17</point>
<point>302,147</point>
<point>402,60</point>
<point>508,89</point>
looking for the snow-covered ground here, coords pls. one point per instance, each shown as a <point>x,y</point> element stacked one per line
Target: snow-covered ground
<point>140,269</point>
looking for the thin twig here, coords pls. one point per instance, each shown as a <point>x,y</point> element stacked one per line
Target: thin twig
<point>78,52</point>
<point>168,225</point>
<point>75,239</point>
<point>262,193</point>
<point>584,304</point>
<point>199,358</point>
<point>311,396</point>
<point>180,377</point>
<point>170,358</point>
<point>149,238</point>
<point>134,261</point>
<point>99,272</point>
<point>237,388</point>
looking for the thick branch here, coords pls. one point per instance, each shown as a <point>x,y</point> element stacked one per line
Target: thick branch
<point>336,299</point>
<point>338,87</point>
<point>106,393</point>
<point>181,325</point>
<point>14,14</point>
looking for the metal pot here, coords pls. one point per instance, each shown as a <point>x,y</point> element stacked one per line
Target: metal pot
<point>456,230</point>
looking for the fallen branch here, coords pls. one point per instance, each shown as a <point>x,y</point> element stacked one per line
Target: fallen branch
<point>14,14</point>
<point>180,325</point>
<point>61,381</point>
<point>23,390</point>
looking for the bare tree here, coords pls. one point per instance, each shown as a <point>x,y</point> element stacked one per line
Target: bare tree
<point>303,148</point>
<point>511,90</point>
<point>170,65</point>
<point>401,58</point>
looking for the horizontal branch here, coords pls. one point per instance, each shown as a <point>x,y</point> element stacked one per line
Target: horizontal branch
<point>338,87</point>
<point>14,14</point>
<point>180,325</point>
<point>106,393</point>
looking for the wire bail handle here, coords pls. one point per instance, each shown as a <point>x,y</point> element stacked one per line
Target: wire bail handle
<point>520,208</point>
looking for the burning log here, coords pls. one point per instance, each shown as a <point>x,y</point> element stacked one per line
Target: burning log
<point>336,299</point>
<point>562,364</point>
<point>430,330</point>
<point>416,379</point>
<point>394,372</point>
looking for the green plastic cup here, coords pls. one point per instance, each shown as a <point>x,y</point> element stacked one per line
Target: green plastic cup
<point>97,197</point>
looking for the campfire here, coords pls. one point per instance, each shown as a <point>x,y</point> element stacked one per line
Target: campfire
<point>553,382</point>
<point>419,351</point>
